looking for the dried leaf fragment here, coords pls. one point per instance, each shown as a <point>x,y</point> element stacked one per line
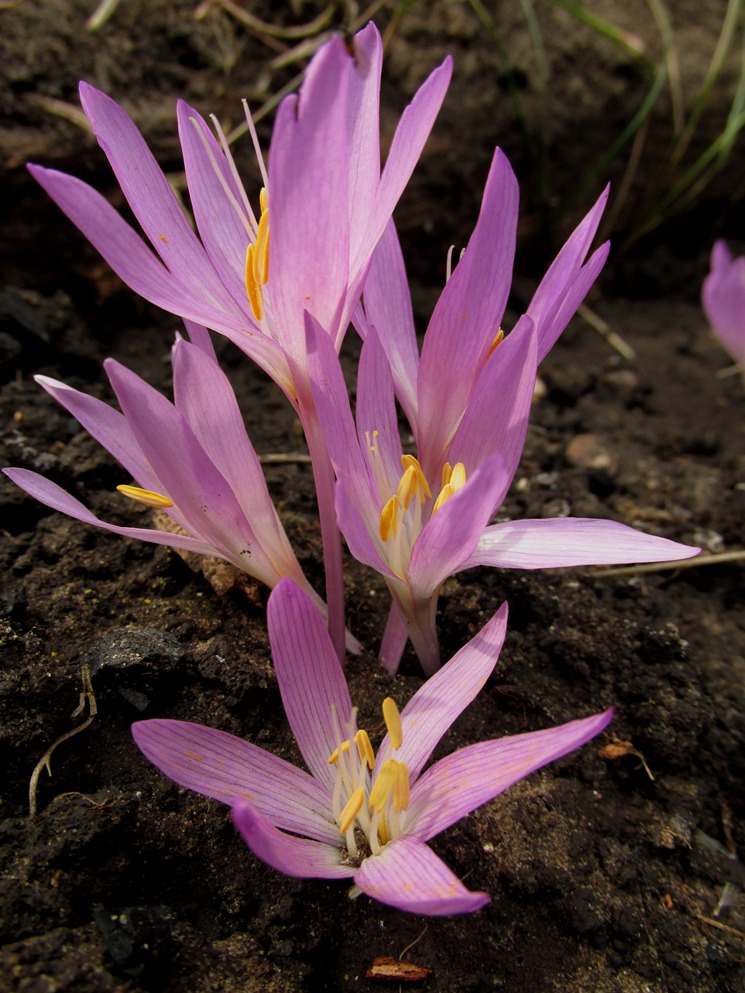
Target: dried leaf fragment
<point>388,969</point>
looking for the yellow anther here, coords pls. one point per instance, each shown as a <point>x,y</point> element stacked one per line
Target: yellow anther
<point>351,808</point>
<point>264,200</point>
<point>364,748</point>
<point>458,478</point>
<point>392,720</point>
<point>498,339</point>
<point>447,472</point>
<point>401,788</point>
<point>372,445</point>
<point>411,462</point>
<point>334,756</point>
<point>261,258</point>
<point>149,497</point>
<point>456,481</point>
<point>384,785</point>
<point>253,288</point>
<point>389,518</point>
<point>407,487</point>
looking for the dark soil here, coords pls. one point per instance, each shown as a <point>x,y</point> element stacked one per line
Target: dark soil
<point>606,875</point>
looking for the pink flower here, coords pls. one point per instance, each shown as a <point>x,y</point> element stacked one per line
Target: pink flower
<point>359,815</point>
<point>723,297</point>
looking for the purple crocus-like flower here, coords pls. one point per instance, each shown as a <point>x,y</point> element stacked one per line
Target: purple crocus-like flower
<point>723,298</point>
<point>359,814</point>
<point>191,458</point>
<point>251,272</point>
<point>418,520</point>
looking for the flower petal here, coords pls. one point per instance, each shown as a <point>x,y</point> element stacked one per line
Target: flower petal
<point>723,298</point>
<point>375,411</point>
<point>151,197</point>
<point>308,190</point>
<point>52,495</point>
<point>467,317</point>
<point>496,419</point>
<point>463,781</point>
<point>309,674</point>
<point>444,696</point>
<point>217,202</point>
<point>548,307</point>
<point>571,541</point>
<point>409,876</point>
<point>231,770</point>
<point>388,308</point>
<point>298,857</point>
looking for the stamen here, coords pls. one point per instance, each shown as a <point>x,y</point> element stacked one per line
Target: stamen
<point>447,472</point>
<point>253,289</point>
<point>148,497</point>
<point>392,720</point>
<point>351,809</point>
<point>401,788</point>
<point>389,518</point>
<point>255,140</point>
<point>498,339</point>
<point>383,785</point>
<point>456,481</point>
<point>334,756</point>
<point>410,462</point>
<point>364,748</point>
<point>407,487</point>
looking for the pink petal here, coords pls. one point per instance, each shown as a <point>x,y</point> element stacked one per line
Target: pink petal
<point>463,781</point>
<point>52,495</point>
<point>723,299</point>
<point>388,308</point>
<point>467,317</point>
<point>298,857</point>
<point>376,412</point>
<point>232,770</point>
<point>308,189</point>
<point>571,541</point>
<point>409,876</point>
<point>151,198</point>
<point>445,695</point>
<point>310,677</point>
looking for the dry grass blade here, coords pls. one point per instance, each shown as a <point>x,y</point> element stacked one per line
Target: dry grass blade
<point>701,560</point>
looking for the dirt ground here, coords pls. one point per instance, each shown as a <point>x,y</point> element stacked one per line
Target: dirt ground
<point>606,875</point>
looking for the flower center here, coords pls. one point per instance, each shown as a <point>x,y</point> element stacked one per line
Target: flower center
<point>368,816</point>
<point>404,512</point>
<point>257,260</point>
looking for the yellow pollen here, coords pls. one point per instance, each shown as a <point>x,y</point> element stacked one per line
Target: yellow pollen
<point>389,518</point>
<point>351,809</point>
<point>334,756</point>
<point>372,445</point>
<point>149,497</point>
<point>392,720</point>
<point>498,339</point>
<point>364,748</point>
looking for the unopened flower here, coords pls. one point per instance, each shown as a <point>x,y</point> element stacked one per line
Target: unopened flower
<point>192,459</point>
<point>359,814</point>
<point>418,520</point>
<point>723,298</point>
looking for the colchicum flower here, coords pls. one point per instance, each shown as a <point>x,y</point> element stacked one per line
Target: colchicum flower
<point>192,459</point>
<point>418,520</point>
<point>251,272</point>
<point>359,814</point>
<point>723,299</point>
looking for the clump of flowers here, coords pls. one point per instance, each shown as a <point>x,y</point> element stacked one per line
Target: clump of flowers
<point>282,275</point>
